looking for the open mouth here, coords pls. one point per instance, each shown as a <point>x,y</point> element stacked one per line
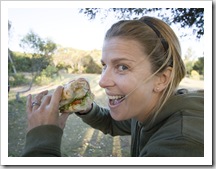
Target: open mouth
<point>115,100</point>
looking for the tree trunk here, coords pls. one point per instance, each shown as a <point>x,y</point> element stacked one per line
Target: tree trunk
<point>18,93</point>
<point>11,60</point>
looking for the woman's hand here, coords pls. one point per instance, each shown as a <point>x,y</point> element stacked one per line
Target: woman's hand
<point>43,110</point>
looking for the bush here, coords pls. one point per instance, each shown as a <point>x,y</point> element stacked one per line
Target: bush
<point>199,65</point>
<point>47,75</point>
<point>77,61</point>
<point>88,65</point>
<point>49,71</point>
<point>195,75</point>
<point>62,65</point>
<point>43,80</point>
<point>17,80</point>
<point>22,62</point>
<point>26,62</point>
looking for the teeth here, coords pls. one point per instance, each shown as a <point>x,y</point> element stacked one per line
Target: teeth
<point>115,97</point>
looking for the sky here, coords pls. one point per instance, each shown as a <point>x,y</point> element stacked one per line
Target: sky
<point>69,28</point>
<point>64,26</point>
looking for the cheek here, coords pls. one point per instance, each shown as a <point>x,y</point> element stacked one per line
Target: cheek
<point>146,89</point>
<point>141,93</point>
<point>126,84</point>
<point>132,85</point>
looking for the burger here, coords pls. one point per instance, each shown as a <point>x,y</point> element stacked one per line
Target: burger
<point>76,96</point>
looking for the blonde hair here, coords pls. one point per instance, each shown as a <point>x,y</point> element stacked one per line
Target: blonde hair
<point>161,45</point>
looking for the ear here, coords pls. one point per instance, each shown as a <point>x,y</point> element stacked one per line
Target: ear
<point>163,80</point>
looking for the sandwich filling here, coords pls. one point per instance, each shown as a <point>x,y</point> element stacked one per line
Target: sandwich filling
<point>76,96</point>
<point>74,102</point>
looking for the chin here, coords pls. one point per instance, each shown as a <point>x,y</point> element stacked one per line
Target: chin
<point>117,116</point>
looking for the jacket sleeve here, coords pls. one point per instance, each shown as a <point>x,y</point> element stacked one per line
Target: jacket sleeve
<point>99,118</point>
<point>43,141</point>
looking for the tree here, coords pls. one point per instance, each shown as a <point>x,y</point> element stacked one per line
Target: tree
<point>187,17</point>
<point>33,43</point>
<point>189,61</point>
<point>199,65</point>
<point>42,50</point>
<point>9,52</point>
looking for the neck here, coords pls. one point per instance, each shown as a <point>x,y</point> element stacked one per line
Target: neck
<point>150,110</point>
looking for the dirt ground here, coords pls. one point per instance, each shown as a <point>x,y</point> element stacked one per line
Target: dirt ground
<point>79,139</point>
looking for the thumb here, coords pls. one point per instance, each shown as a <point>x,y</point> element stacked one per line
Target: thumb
<point>62,120</point>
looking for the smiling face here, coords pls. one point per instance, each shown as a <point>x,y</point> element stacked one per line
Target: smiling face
<point>125,72</point>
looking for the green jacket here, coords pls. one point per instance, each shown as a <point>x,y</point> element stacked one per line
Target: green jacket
<point>178,130</point>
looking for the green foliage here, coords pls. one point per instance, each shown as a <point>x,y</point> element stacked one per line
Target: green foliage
<point>35,44</point>
<point>62,65</point>
<point>77,61</point>
<point>187,17</point>
<point>47,75</point>
<point>189,66</point>
<point>65,59</point>
<point>193,64</point>
<point>189,61</point>
<point>41,50</point>
<point>27,62</point>
<point>48,47</point>
<point>50,71</point>
<point>199,65</point>
<point>17,80</point>
<point>43,80</point>
<point>38,61</point>
<point>88,65</point>
<point>22,62</point>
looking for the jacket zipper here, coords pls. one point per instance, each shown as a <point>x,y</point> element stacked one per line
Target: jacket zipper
<point>138,138</point>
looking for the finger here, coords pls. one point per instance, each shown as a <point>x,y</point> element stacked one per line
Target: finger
<point>40,95</point>
<point>35,106</point>
<point>29,104</point>
<point>46,101</point>
<point>62,119</point>
<point>56,97</point>
<point>38,99</point>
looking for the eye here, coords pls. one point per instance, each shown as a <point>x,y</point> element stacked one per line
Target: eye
<point>103,66</point>
<point>122,68</point>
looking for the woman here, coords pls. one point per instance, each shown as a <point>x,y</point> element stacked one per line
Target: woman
<point>142,68</point>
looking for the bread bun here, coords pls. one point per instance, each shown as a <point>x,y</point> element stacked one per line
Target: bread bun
<point>76,96</point>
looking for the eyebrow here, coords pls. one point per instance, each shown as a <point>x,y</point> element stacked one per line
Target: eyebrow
<point>116,60</point>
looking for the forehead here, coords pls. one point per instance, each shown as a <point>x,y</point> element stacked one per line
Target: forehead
<point>124,48</point>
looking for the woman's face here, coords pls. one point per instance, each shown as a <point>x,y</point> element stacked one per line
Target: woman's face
<point>125,69</point>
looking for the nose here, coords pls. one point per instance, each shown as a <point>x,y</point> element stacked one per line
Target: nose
<point>107,79</point>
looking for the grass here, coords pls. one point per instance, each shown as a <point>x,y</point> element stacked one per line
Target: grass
<point>79,139</point>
